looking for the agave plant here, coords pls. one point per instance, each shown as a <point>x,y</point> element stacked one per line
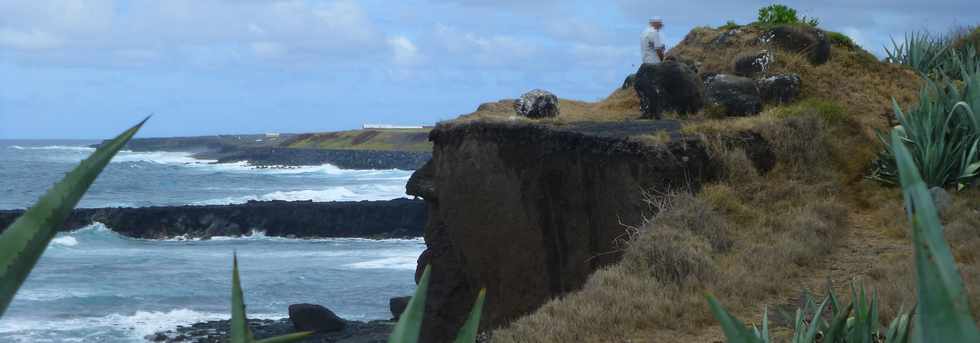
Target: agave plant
<point>919,51</point>
<point>23,242</point>
<point>240,333</point>
<point>410,324</point>
<point>942,131</point>
<point>943,314</point>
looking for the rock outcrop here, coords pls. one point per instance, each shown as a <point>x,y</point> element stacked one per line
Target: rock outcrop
<point>729,95</point>
<point>668,86</point>
<point>537,103</point>
<point>753,64</point>
<point>302,219</point>
<point>803,39</point>
<point>530,211</point>
<point>397,306</point>
<point>779,89</point>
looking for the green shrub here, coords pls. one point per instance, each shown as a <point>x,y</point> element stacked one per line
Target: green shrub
<point>942,314</point>
<point>729,25</point>
<point>840,39</point>
<point>777,14</point>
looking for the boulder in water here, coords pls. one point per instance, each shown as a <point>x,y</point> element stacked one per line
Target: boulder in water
<point>397,305</point>
<point>668,86</point>
<point>312,317</point>
<point>537,103</point>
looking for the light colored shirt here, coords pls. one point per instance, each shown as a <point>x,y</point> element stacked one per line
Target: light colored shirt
<point>649,44</point>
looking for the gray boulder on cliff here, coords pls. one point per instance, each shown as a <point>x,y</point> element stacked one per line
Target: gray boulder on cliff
<point>753,64</point>
<point>537,103</point>
<point>668,86</point>
<point>779,89</point>
<point>312,317</point>
<point>807,40</point>
<point>732,95</point>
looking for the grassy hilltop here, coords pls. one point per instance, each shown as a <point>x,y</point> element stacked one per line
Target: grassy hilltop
<point>756,239</point>
<point>366,139</point>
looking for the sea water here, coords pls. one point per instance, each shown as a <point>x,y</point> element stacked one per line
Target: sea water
<point>93,285</point>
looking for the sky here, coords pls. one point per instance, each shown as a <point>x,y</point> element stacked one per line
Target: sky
<point>91,68</point>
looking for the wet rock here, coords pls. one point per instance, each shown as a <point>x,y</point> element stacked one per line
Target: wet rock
<point>802,39</point>
<point>668,86</point>
<point>753,64</point>
<point>779,89</point>
<point>537,103</point>
<point>398,218</point>
<point>312,317</point>
<point>397,306</point>
<point>729,95</point>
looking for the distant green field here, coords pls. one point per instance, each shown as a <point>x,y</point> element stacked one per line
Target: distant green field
<point>367,139</point>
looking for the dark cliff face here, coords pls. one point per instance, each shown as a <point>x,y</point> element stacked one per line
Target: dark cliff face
<point>529,212</point>
<point>301,219</point>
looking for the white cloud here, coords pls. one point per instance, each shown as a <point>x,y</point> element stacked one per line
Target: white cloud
<point>265,49</point>
<point>484,50</point>
<point>29,40</point>
<point>404,51</point>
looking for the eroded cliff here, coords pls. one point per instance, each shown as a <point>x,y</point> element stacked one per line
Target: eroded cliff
<point>529,211</point>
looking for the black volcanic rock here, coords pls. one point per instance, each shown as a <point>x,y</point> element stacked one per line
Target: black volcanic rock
<point>312,317</point>
<point>667,86</point>
<point>802,39</point>
<point>732,95</point>
<point>537,103</point>
<point>303,219</point>
<point>780,89</point>
<point>397,306</point>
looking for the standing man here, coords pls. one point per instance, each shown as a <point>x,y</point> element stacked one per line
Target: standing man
<point>652,44</point>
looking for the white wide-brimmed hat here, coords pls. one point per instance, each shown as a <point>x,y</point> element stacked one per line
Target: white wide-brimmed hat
<point>656,20</point>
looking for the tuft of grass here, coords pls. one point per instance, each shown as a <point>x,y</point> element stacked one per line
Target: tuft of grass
<point>23,242</point>
<point>841,40</point>
<point>729,25</point>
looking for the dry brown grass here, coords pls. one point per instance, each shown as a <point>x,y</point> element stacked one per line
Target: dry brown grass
<point>755,240</point>
<point>735,238</point>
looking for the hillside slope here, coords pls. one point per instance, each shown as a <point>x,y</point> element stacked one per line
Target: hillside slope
<point>759,239</point>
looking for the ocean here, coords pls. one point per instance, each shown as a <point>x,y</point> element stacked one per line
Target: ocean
<point>93,285</point>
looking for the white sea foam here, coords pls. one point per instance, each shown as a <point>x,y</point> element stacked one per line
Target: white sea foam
<point>340,193</point>
<point>160,157</point>
<point>67,241</point>
<point>397,262</point>
<point>54,147</point>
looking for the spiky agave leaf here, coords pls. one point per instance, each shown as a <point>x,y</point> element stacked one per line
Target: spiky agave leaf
<point>944,313</point>
<point>22,244</point>
<point>410,324</point>
<point>240,333</point>
<point>467,334</point>
<point>898,330</point>
<point>735,331</point>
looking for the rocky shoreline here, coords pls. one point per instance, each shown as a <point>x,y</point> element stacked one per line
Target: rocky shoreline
<point>218,331</point>
<point>399,218</point>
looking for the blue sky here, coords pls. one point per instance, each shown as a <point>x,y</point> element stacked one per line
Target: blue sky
<point>89,68</point>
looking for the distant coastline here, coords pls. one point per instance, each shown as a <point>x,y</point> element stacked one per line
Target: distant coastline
<point>358,149</point>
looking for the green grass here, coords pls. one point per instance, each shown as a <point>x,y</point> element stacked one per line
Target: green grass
<point>368,139</point>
